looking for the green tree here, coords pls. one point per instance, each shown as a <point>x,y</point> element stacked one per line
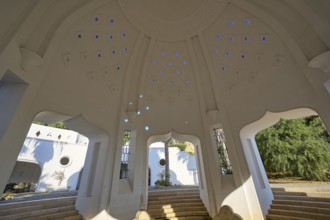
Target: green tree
<point>54,125</point>
<point>298,147</point>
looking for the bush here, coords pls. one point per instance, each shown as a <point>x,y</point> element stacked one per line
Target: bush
<point>163,183</point>
<point>298,147</point>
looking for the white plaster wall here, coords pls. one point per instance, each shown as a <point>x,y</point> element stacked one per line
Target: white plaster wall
<point>183,170</point>
<point>46,146</point>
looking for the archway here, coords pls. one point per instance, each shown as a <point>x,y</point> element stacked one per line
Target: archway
<point>24,176</point>
<point>180,160</point>
<point>195,169</point>
<point>252,155</point>
<point>65,152</point>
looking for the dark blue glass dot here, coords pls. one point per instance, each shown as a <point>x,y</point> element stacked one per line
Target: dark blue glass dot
<point>96,19</point>
<point>247,21</point>
<point>110,37</point>
<point>216,51</point>
<point>113,51</point>
<point>185,62</point>
<point>123,34</point>
<point>155,62</point>
<point>111,20</point>
<point>218,36</point>
<point>263,38</point>
<point>97,36</point>
<point>176,54</point>
<point>125,49</point>
<point>246,38</point>
<point>232,23</point>
<point>231,39</point>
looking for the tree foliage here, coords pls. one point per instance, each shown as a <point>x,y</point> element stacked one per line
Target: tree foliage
<point>184,146</point>
<point>298,147</point>
<point>54,125</point>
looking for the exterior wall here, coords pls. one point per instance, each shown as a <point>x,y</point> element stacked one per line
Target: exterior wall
<point>46,146</point>
<point>183,169</point>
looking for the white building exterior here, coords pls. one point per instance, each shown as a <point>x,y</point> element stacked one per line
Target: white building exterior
<point>56,151</point>
<point>183,169</point>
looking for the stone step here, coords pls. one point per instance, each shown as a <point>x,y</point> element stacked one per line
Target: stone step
<point>301,198</point>
<point>176,205</point>
<point>173,193</point>
<point>174,210</point>
<point>281,217</point>
<point>302,203</point>
<point>301,208</point>
<point>299,214</point>
<point>73,217</point>
<point>180,214</point>
<point>12,210</point>
<point>39,213</point>
<point>301,189</point>
<point>187,218</point>
<point>170,198</point>
<point>12,205</point>
<point>310,194</point>
<point>68,215</point>
<point>165,202</point>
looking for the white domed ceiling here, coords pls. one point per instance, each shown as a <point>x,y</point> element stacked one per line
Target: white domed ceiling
<point>166,56</point>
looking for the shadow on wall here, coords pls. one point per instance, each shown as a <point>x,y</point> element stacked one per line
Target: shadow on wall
<point>42,186</point>
<point>44,152</point>
<point>174,178</point>
<point>72,182</point>
<point>24,149</point>
<point>182,156</point>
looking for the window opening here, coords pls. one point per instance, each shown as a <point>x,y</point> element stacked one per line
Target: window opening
<point>125,154</point>
<point>220,140</point>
